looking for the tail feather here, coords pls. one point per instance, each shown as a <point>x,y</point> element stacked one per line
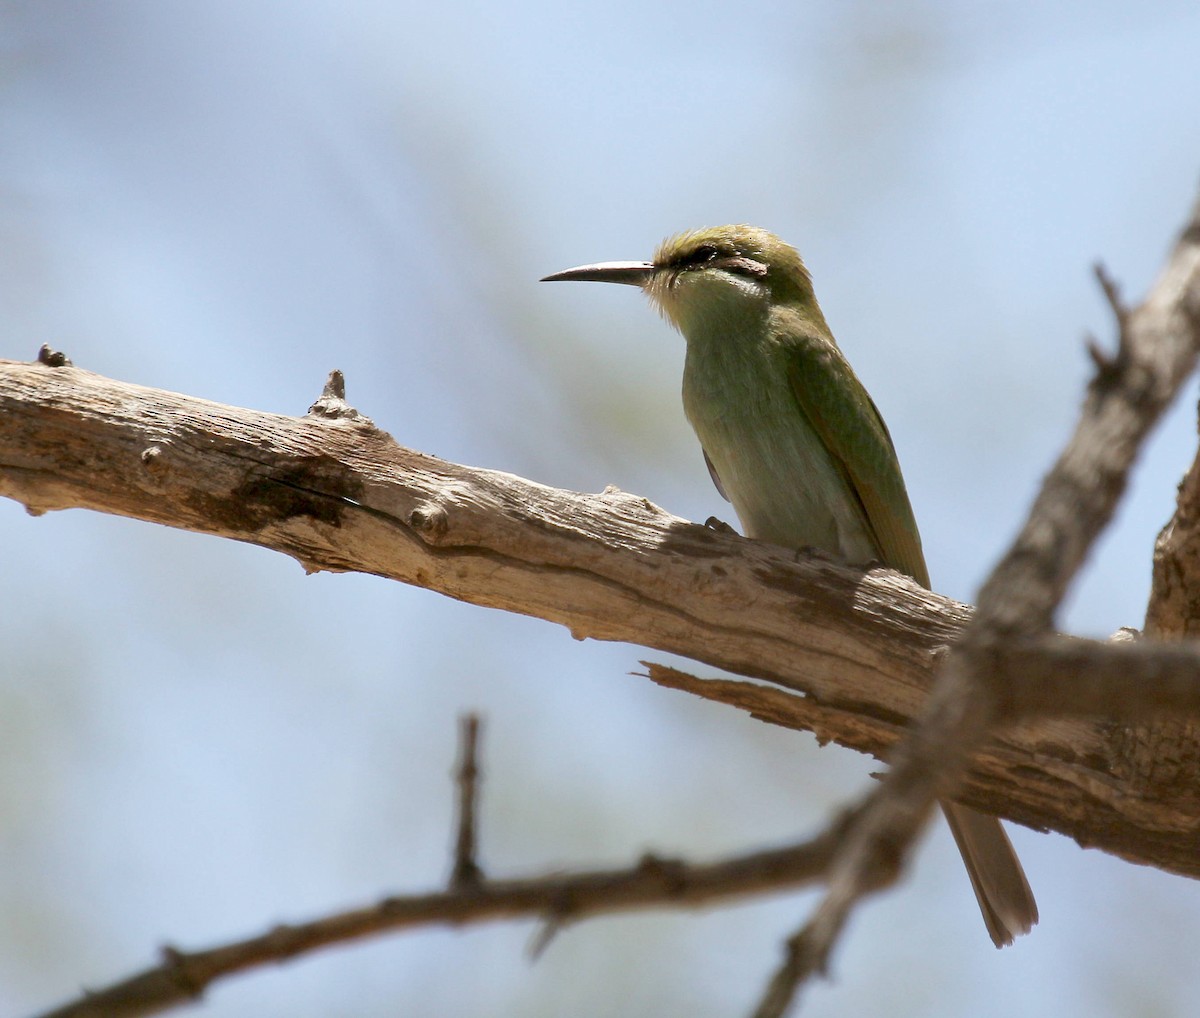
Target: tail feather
<point>1005,899</point>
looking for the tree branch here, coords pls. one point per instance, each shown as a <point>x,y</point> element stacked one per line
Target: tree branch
<point>336,493</point>
<point>182,977</point>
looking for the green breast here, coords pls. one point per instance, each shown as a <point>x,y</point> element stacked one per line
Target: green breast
<point>782,482</point>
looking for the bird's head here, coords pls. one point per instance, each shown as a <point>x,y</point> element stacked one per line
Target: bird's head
<point>712,274</point>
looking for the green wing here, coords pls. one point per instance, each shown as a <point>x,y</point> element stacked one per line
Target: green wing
<point>842,413</point>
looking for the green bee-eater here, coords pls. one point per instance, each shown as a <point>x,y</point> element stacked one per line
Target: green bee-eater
<point>792,439</point>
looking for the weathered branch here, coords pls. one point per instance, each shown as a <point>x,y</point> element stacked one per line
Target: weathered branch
<point>1049,678</point>
<point>652,882</point>
<point>336,493</point>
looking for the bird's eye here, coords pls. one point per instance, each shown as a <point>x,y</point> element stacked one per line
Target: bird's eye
<point>704,253</point>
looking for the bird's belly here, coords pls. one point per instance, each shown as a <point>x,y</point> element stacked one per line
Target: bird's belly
<point>784,486</point>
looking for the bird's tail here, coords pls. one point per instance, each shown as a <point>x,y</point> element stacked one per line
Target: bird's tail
<point>1000,886</point>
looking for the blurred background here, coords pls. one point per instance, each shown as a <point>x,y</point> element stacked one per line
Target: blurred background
<point>230,199</point>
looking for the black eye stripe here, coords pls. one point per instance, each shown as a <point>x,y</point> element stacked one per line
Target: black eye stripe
<point>711,256</point>
<point>698,256</point>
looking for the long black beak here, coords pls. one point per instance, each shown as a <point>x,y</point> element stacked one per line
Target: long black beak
<point>633,273</point>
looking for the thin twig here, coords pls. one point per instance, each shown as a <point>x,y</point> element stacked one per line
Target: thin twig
<point>183,976</point>
<point>1112,294</point>
<point>466,871</point>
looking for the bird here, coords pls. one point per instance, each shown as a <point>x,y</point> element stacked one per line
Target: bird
<point>793,440</point>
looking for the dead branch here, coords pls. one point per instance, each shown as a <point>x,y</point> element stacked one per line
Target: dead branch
<point>182,977</point>
<point>336,493</point>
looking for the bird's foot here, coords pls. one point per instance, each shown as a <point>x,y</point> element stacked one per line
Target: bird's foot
<point>720,526</point>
